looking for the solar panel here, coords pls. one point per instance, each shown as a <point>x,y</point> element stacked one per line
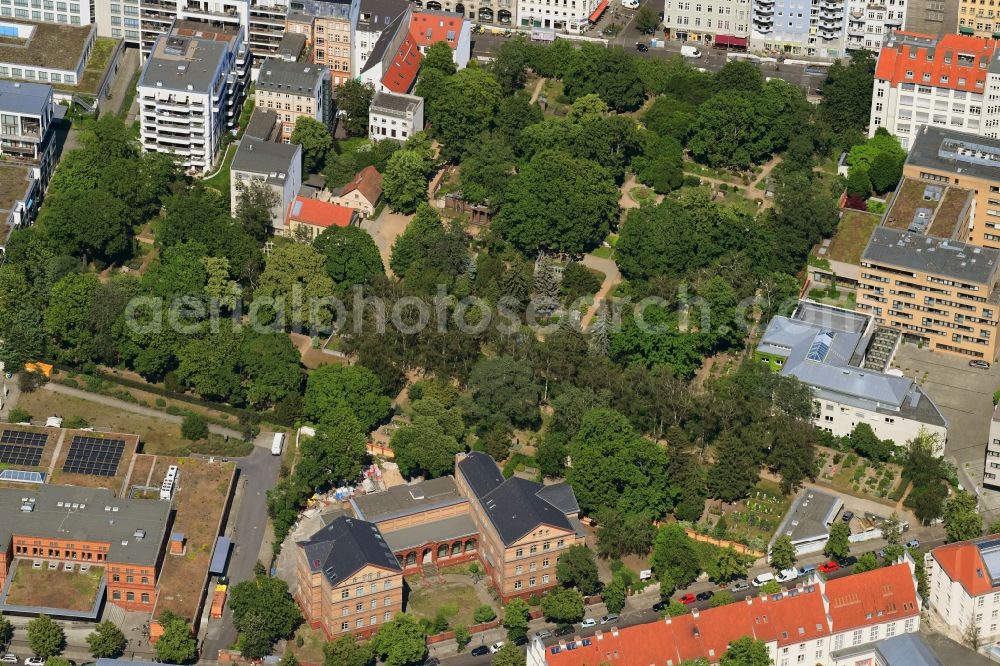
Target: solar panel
<point>22,448</point>
<point>94,456</point>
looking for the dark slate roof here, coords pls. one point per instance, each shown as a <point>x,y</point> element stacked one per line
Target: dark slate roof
<point>561,496</point>
<point>385,42</point>
<point>346,545</point>
<point>375,15</point>
<point>515,508</point>
<point>481,473</point>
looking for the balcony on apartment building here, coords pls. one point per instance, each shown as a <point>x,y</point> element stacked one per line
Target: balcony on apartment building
<point>203,9</point>
<point>161,5</point>
<point>764,11</point>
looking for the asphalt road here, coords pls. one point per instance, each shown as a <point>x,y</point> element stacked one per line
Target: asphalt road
<point>258,473</point>
<point>486,45</point>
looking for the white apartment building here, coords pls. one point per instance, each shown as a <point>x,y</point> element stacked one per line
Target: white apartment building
<point>964,583</point>
<point>720,22</point>
<point>573,16</point>
<point>191,90</point>
<point>813,28</point>
<point>373,18</point>
<point>276,165</point>
<point>49,11</point>
<point>991,466</point>
<point>395,116</point>
<point>140,24</point>
<point>869,23</point>
<point>947,82</point>
<point>826,348</point>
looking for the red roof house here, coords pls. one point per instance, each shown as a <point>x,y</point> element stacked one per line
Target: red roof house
<point>312,216</point>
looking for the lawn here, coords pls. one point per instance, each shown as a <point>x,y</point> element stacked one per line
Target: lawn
<point>99,57</point>
<point>853,475</point>
<point>458,601</point>
<point>351,145</point>
<point>853,232</point>
<point>54,588</point>
<point>311,650</point>
<point>757,517</point>
<point>220,179</point>
<point>909,198</point>
<point>708,172</point>
<point>13,183</point>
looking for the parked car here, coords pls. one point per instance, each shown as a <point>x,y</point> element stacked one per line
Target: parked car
<point>431,661</point>
<point>480,651</point>
<point>786,575</point>
<point>688,598</point>
<point>740,586</point>
<point>846,516</point>
<point>521,640</point>
<point>880,553</point>
<point>496,647</point>
<point>829,567</point>
<point>807,569</point>
<point>705,596</point>
<point>660,605</point>
<point>564,631</point>
<point>978,363</point>
<point>34,661</point>
<point>913,543</point>
<point>543,633</point>
<point>611,617</point>
<point>589,622</point>
<point>641,47</point>
<point>630,4</point>
<point>9,658</point>
<point>690,52</point>
<point>848,561</point>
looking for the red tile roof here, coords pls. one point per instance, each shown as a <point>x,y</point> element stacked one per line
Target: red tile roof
<point>368,182</point>
<point>319,213</point>
<point>961,561</point>
<point>901,57</point>
<point>429,27</point>
<point>786,621</point>
<point>402,70</point>
<point>885,594</point>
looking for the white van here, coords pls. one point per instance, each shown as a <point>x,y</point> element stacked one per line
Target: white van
<point>690,52</point>
<point>277,443</point>
<point>786,575</point>
<point>765,577</point>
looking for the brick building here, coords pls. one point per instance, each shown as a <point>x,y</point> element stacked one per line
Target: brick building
<point>88,526</point>
<point>523,526</point>
<point>348,580</point>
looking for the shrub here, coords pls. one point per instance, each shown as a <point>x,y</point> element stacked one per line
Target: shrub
<point>194,427</point>
<point>484,613</point>
<point>692,181</point>
<point>18,415</point>
<point>161,403</point>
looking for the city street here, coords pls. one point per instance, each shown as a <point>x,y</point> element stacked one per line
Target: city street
<point>485,46</point>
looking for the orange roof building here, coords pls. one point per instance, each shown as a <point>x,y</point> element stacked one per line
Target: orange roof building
<point>363,191</point>
<point>922,79</point>
<point>804,625</point>
<point>307,218</point>
<point>963,579</point>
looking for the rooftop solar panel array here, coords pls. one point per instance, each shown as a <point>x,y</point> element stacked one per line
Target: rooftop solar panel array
<point>94,456</point>
<point>22,448</point>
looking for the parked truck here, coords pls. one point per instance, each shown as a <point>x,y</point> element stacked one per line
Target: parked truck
<point>277,443</point>
<point>218,601</point>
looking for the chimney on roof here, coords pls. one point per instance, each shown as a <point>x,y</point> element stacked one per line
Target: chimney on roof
<point>614,631</point>
<point>599,635</point>
<point>750,600</point>
<point>694,613</point>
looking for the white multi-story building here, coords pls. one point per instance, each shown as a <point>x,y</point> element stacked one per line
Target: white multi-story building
<point>963,579</point>
<point>140,24</point>
<point>395,116</point>
<point>826,348</point>
<point>869,23</point>
<point>373,18</point>
<point>573,16</point>
<point>813,625</point>
<point>77,12</point>
<point>719,22</point>
<point>947,82</point>
<point>278,166</point>
<point>813,28</point>
<point>191,91</point>
<point>991,466</point>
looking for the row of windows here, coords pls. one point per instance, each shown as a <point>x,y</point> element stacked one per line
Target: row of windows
<point>116,578</point>
<point>129,596</point>
<point>360,622</point>
<point>41,75</point>
<point>531,582</point>
<point>345,611</point>
<point>534,548</point>
<point>37,16</point>
<point>359,591</point>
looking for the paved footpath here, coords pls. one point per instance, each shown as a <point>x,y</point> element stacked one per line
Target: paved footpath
<point>131,407</point>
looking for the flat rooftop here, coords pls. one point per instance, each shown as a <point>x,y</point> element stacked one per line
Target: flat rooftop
<point>294,78</point>
<point>50,45</point>
<point>810,516</point>
<point>924,254</point>
<point>24,98</point>
<point>265,157</point>
<point>956,152</point>
<point>933,209</point>
<point>134,528</point>
<point>847,244</point>
<point>395,103</point>
<point>407,500</point>
<point>186,56</point>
